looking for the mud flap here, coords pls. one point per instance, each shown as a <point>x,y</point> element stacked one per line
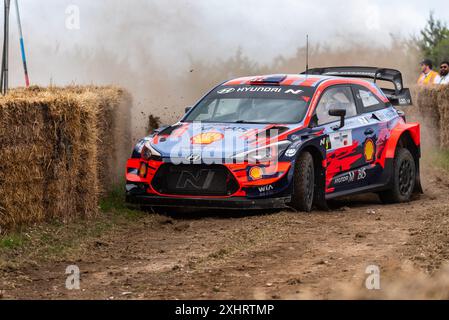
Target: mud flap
<point>319,200</point>
<point>418,187</point>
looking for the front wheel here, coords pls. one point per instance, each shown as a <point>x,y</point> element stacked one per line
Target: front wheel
<point>304,183</point>
<point>403,179</point>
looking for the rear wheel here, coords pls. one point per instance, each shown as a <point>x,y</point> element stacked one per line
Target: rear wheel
<point>304,183</point>
<point>403,180</point>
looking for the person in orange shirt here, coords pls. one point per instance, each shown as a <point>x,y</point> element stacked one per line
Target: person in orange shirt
<point>428,76</point>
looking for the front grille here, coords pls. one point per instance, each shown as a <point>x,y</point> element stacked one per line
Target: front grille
<point>194,179</point>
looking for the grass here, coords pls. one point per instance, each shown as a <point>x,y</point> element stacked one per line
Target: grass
<point>114,202</point>
<point>12,241</point>
<point>56,240</point>
<point>440,158</point>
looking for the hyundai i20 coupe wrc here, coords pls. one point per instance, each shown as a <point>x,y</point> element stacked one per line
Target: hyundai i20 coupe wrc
<point>283,140</point>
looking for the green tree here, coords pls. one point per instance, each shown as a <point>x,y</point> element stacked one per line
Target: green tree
<point>434,40</point>
<point>441,51</point>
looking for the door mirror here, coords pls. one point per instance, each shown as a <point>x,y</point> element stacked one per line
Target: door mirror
<point>160,129</point>
<point>338,113</point>
<point>187,109</point>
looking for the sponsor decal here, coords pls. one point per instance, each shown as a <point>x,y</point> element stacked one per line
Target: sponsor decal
<point>385,115</point>
<point>294,137</point>
<point>207,137</point>
<point>290,152</point>
<point>346,178</point>
<point>361,174</point>
<point>256,173</point>
<point>293,91</point>
<point>363,120</point>
<point>369,150</point>
<point>266,188</point>
<point>282,92</point>
<point>260,89</point>
<point>200,181</point>
<point>351,176</point>
<point>352,73</point>
<point>326,143</point>
<point>403,101</point>
<point>193,157</point>
<point>323,142</point>
<point>340,139</point>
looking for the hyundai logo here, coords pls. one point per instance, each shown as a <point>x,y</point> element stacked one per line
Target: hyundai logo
<point>199,181</point>
<point>193,157</point>
<point>225,90</point>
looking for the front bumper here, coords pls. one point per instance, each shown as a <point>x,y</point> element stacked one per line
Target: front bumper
<point>228,203</point>
<point>138,196</point>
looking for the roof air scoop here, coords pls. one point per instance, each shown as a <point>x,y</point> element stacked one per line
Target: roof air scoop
<point>273,79</point>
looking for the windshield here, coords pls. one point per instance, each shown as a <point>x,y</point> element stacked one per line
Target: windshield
<point>246,104</point>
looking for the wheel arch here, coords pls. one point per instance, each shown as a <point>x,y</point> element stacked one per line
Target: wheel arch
<point>407,136</point>
<point>406,141</point>
<point>404,133</point>
<point>316,154</point>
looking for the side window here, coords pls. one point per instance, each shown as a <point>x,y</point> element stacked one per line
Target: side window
<point>368,99</point>
<point>339,97</point>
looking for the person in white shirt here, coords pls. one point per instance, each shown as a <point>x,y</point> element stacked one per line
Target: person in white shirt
<point>443,77</point>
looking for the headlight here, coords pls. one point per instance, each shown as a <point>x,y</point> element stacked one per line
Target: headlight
<point>148,151</point>
<point>266,153</point>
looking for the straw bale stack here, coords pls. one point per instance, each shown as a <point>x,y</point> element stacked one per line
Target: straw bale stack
<point>59,149</point>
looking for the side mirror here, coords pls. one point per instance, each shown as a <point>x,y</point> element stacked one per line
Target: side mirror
<point>160,129</point>
<point>338,113</point>
<point>187,109</point>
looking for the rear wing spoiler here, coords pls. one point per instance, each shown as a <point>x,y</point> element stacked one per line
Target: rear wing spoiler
<point>399,96</point>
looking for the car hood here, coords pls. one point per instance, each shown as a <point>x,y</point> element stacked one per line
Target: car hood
<point>214,140</point>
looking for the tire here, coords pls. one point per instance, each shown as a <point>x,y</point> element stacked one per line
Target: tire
<point>403,179</point>
<point>303,183</point>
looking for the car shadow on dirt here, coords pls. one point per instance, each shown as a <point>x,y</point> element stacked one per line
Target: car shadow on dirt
<point>356,201</point>
<point>197,213</point>
<point>335,205</point>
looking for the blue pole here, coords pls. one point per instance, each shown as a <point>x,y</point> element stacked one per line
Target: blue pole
<point>22,46</point>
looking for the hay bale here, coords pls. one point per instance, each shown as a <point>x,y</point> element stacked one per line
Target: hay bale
<point>433,108</point>
<point>429,115</point>
<point>443,108</point>
<point>114,123</point>
<point>52,151</point>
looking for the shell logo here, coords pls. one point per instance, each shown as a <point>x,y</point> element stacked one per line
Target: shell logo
<point>369,150</point>
<point>207,137</point>
<point>256,173</point>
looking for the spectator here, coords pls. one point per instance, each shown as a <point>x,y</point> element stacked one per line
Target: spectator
<point>443,77</point>
<point>428,76</point>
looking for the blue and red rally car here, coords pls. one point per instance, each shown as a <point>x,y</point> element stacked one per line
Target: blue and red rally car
<point>279,141</point>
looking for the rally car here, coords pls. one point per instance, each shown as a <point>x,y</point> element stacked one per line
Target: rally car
<point>283,140</point>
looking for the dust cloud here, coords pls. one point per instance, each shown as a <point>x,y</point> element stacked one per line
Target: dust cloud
<point>168,54</point>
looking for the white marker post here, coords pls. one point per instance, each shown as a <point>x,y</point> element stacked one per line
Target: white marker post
<point>4,76</point>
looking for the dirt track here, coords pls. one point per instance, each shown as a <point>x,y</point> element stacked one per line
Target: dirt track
<point>262,255</point>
